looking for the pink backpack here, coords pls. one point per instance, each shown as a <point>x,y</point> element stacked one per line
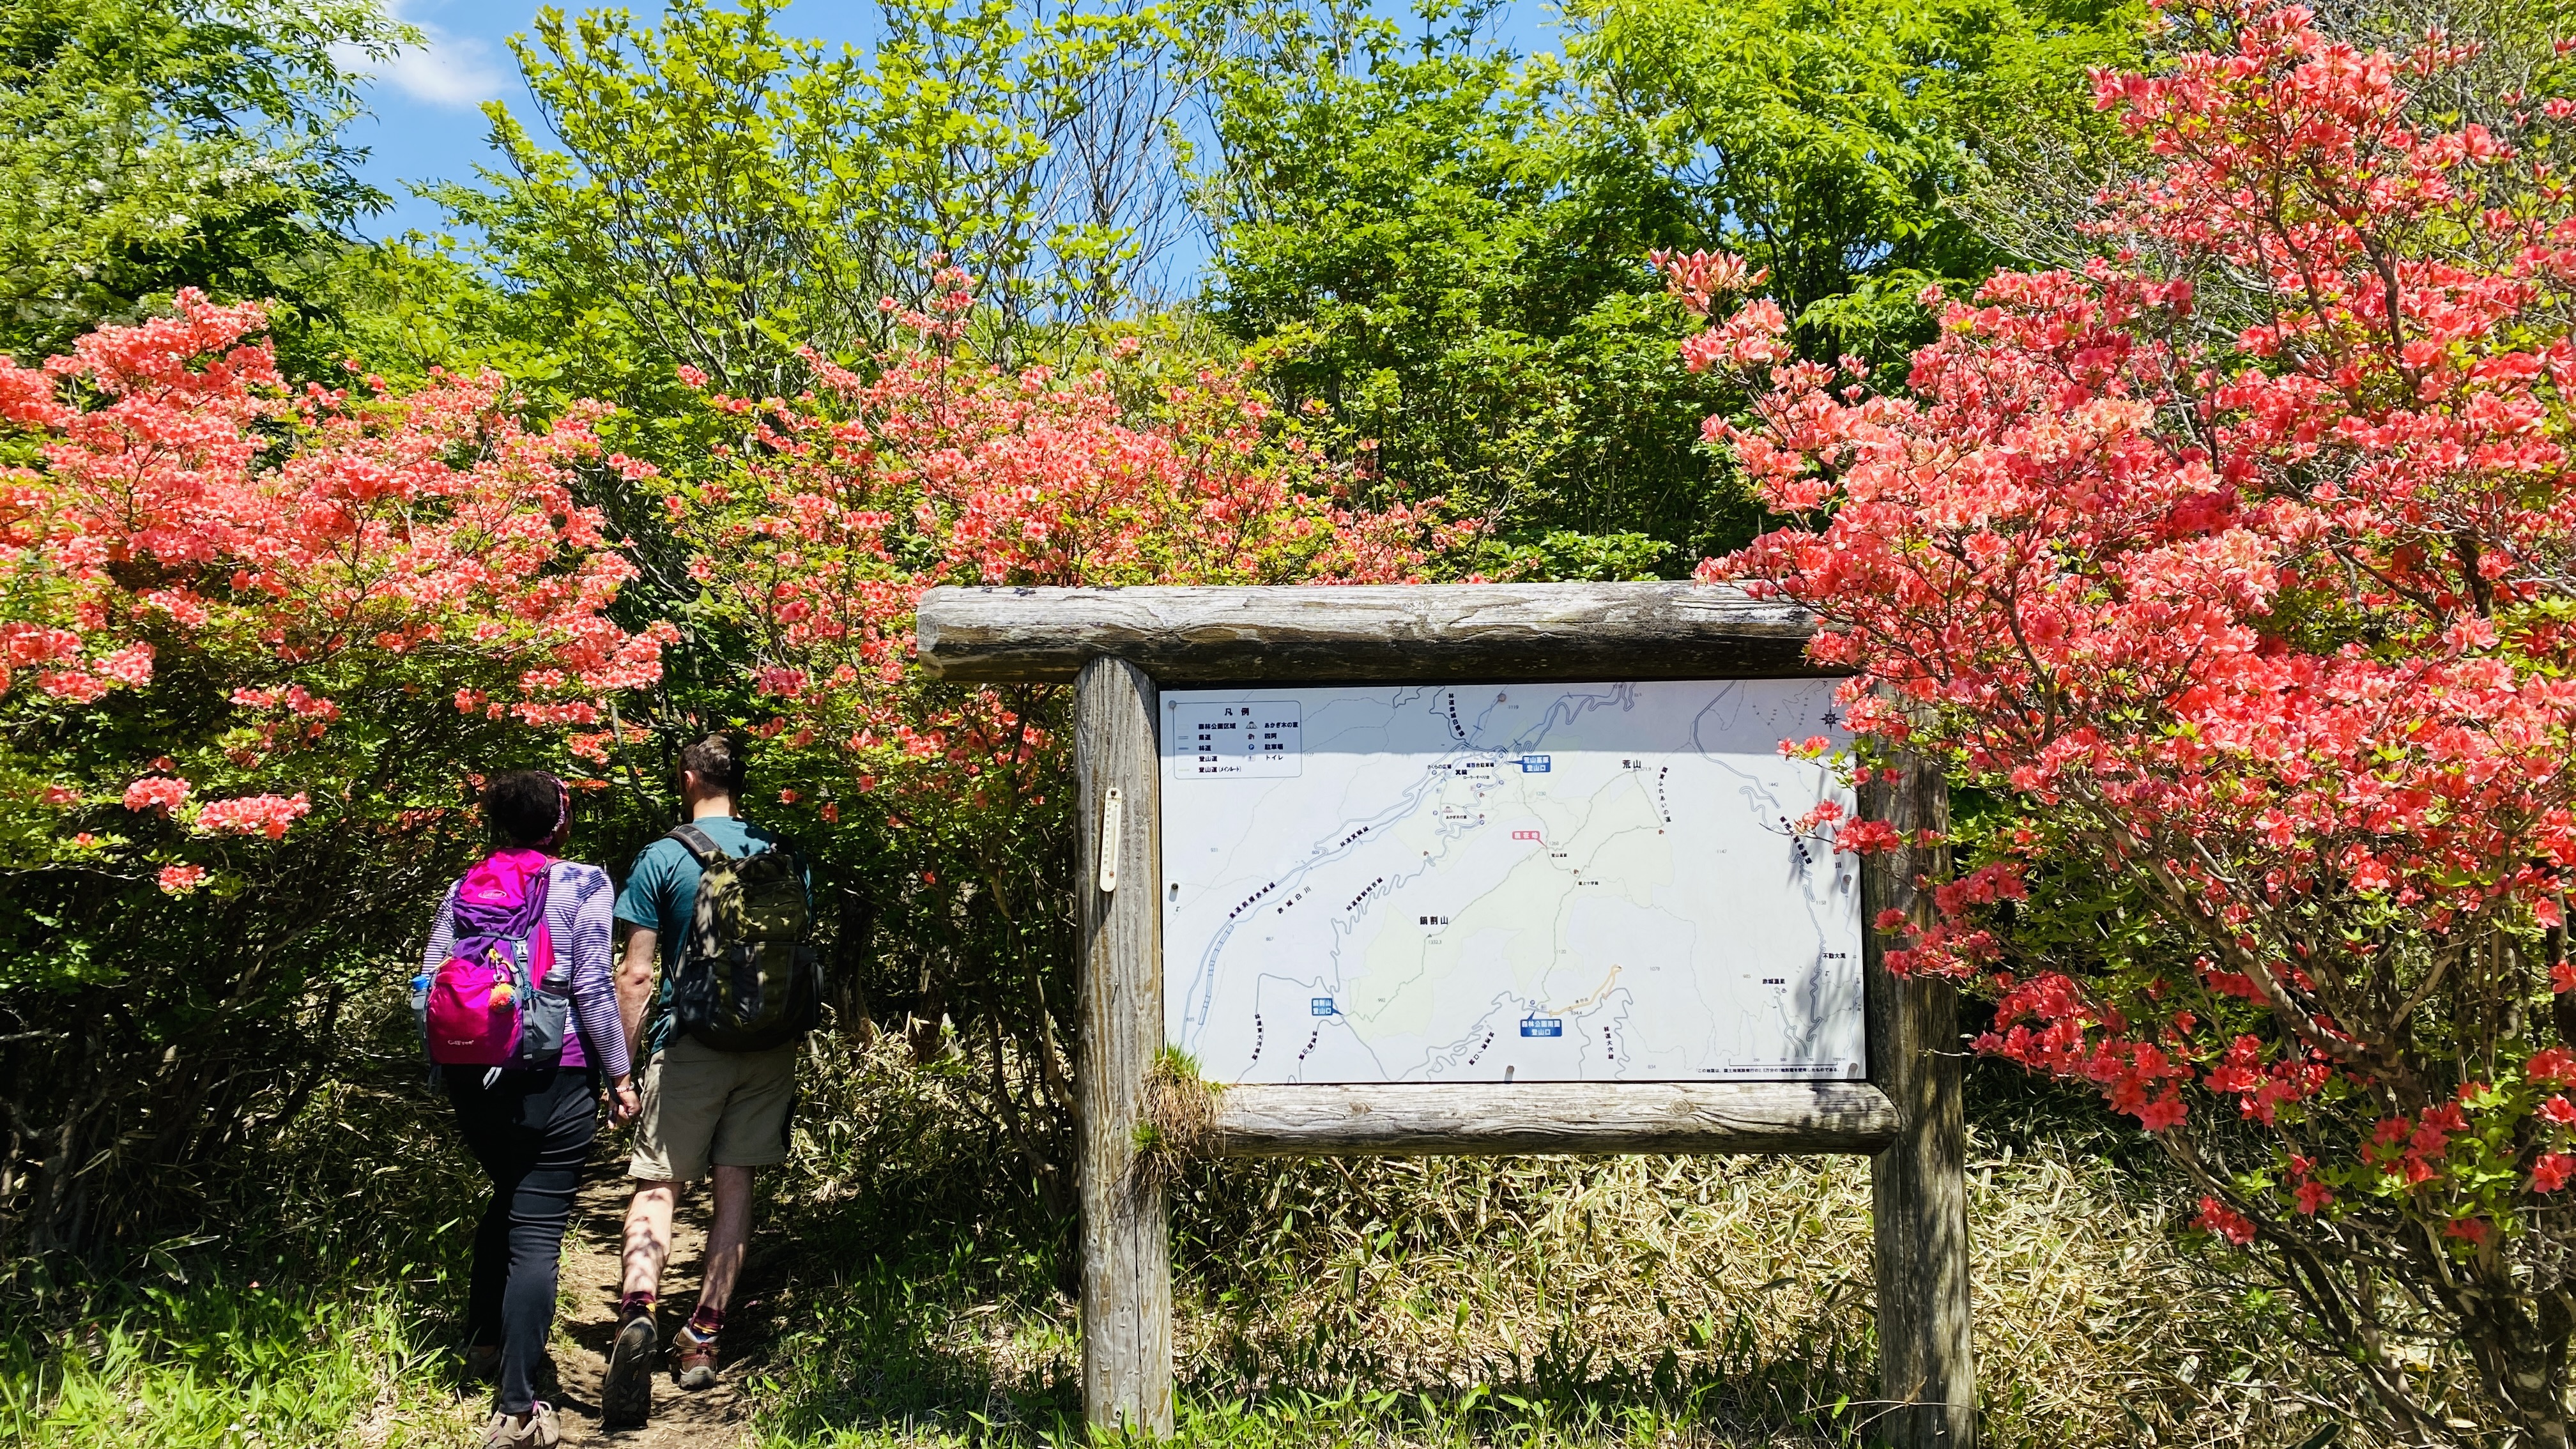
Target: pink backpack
<point>489,1003</point>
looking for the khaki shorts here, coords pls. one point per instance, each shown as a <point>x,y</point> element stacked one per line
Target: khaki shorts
<point>702,1105</point>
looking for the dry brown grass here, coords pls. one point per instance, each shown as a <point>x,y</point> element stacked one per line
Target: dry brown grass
<point>1737,1293</point>
<point>1683,1301</point>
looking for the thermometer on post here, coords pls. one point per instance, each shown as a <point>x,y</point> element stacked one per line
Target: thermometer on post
<point>1109,810</point>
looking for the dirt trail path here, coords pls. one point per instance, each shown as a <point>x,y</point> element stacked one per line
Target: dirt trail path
<point>715,1417</point>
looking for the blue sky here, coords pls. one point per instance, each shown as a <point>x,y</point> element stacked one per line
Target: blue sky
<point>427,123</point>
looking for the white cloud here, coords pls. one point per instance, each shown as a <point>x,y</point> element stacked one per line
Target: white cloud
<point>452,70</point>
<point>457,71</point>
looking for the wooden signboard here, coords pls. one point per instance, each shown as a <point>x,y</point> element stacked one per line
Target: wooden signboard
<point>1892,1094</point>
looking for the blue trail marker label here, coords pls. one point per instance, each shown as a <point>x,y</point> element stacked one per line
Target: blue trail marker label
<point>1322,1006</point>
<point>1542,1026</point>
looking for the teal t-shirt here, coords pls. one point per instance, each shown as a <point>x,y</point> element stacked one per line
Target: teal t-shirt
<point>661,896</point>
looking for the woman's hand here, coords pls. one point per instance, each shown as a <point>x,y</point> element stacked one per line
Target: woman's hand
<point>622,1105</point>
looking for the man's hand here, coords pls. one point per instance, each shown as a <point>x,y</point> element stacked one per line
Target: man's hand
<point>622,1102</point>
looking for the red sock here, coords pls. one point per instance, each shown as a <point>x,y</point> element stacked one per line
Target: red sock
<point>634,1303</point>
<point>707,1322</point>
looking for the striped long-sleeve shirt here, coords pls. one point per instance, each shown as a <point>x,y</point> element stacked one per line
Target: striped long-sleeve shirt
<point>577,918</point>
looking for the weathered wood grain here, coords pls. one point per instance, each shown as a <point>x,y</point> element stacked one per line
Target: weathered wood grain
<point>1569,1117</point>
<point>1919,1184</point>
<point>1126,1240</point>
<point>1291,635</point>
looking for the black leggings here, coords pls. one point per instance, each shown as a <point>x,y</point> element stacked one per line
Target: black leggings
<point>531,1132</point>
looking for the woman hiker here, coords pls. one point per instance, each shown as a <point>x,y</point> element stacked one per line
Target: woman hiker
<point>520,1016</point>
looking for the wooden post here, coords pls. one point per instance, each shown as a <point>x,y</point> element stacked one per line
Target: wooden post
<point>1918,1184</point>
<point>1126,1242</point>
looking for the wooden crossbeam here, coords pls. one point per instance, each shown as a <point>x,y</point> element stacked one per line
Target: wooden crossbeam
<point>1397,632</point>
<point>1563,1117</point>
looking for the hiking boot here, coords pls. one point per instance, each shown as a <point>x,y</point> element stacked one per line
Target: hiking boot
<point>693,1354</point>
<point>536,1429</point>
<point>483,1362</point>
<point>626,1398</point>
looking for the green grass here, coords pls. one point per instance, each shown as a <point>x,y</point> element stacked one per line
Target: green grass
<point>229,1364</point>
<point>313,1307</point>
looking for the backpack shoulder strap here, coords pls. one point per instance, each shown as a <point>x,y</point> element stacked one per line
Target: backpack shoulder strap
<point>701,846</point>
<point>785,849</point>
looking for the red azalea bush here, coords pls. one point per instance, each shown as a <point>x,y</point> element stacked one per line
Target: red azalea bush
<point>2238,569</point>
<point>253,641</point>
<point>825,519</point>
<point>841,507</point>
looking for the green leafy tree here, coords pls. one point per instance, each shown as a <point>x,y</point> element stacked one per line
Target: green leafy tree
<point>1819,141</point>
<point>725,195</point>
<point>708,203</point>
<point>1409,233</point>
<point>1446,243</point>
<point>149,145</point>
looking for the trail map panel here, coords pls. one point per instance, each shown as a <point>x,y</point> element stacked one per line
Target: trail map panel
<point>1509,882</point>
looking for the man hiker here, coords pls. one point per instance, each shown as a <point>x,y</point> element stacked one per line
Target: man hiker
<point>725,904</point>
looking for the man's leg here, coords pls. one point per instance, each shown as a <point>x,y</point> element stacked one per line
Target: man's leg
<point>694,1347</point>
<point>648,1233</point>
<point>751,1134</point>
<point>670,1148</point>
<point>626,1397</point>
<point>726,1237</point>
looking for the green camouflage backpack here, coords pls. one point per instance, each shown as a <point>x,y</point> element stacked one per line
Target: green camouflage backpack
<point>749,981</point>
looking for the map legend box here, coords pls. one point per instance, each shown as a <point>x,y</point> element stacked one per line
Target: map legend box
<point>1234,737</point>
